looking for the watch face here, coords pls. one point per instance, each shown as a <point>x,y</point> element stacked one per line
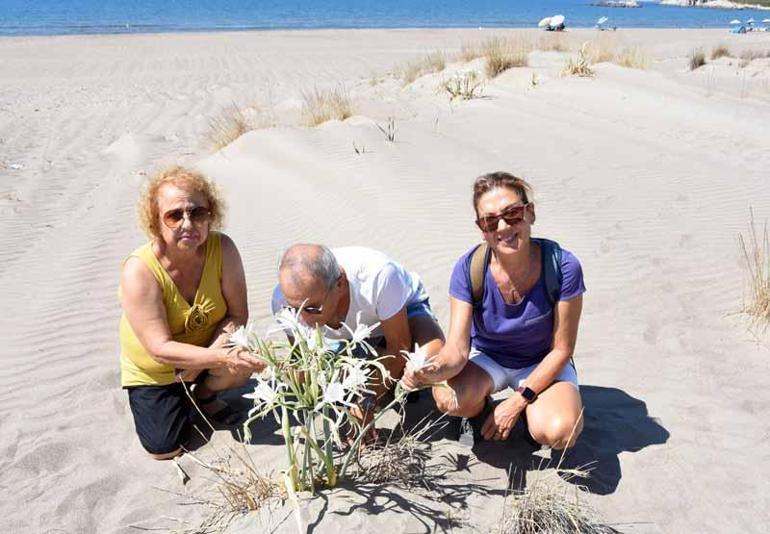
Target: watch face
<point>527,393</point>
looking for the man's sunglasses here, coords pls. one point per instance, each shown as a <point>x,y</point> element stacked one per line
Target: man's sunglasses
<point>310,310</point>
<point>197,215</point>
<point>511,215</point>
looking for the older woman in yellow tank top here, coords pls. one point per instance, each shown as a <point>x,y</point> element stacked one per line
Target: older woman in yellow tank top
<point>181,293</point>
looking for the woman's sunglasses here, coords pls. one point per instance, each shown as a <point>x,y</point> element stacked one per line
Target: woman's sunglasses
<point>197,215</point>
<point>511,215</point>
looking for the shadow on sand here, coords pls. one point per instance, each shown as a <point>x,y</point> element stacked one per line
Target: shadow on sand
<point>615,422</point>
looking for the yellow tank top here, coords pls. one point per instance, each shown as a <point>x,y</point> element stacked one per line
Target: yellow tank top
<point>188,324</point>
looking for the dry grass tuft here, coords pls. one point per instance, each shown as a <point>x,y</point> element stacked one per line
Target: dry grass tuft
<point>430,63</point>
<point>579,66</point>
<point>321,106</point>
<point>549,505</point>
<point>503,54</point>
<point>755,249</point>
<point>234,487</point>
<point>464,86</point>
<point>602,49</point>
<point>720,51</point>
<point>633,57</point>
<point>227,127</point>
<point>470,51</point>
<point>750,55</point>
<point>553,42</point>
<point>403,457</point>
<point>697,59</point>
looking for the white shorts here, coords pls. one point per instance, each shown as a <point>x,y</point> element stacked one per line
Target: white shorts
<point>504,377</point>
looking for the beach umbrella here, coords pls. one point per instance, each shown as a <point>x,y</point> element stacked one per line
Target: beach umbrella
<point>558,19</point>
<point>602,21</point>
<point>750,21</point>
<point>545,22</point>
<point>735,21</point>
<point>765,20</point>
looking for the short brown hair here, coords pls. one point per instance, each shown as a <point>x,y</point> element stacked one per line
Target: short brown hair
<point>147,207</point>
<point>493,180</point>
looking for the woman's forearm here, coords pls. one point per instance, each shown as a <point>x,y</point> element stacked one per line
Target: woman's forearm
<point>186,356</point>
<point>448,364</point>
<point>548,369</point>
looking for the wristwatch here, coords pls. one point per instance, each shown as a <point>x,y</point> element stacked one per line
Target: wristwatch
<point>529,395</point>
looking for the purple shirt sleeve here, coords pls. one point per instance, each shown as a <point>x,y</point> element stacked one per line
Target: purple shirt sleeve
<point>458,282</point>
<point>572,276</point>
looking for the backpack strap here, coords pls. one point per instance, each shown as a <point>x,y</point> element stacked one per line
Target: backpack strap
<point>477,270</point>
<point>551,258</point>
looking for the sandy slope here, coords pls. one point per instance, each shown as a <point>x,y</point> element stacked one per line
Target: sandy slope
<point>646,175</point>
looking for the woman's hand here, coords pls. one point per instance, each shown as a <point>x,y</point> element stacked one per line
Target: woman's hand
<point>239,361</point>
<point>500,422</point>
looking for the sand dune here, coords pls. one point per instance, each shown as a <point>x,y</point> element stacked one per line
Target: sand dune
<point>647,176</point>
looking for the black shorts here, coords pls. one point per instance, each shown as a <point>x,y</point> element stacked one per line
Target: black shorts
<point>162,416</point>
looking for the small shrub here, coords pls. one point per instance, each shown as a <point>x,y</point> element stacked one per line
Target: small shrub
<point>433,62</point>
<point>697,59</point>
<point>321,106</point>
<point>579,66</point>
<point>755,249</point>
<point>720,51</point>
<point>464,86</point>
<point>227,127</point>
<point>633,58</point>
<point>504,54</point>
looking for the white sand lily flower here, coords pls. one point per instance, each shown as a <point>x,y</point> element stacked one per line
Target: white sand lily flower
<point>244,338</point>
<point>288,320</point>
<point>361,333</point>
<point>356,377</point>
<point>419,358</point>
<point>263,393</point>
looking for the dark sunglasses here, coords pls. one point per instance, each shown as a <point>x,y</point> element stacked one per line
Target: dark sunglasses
<point>197,215</point>
<point>310,310</point>
<point>511,215</point>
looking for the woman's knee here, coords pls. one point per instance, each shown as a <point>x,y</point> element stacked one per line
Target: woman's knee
<point>560,432</point>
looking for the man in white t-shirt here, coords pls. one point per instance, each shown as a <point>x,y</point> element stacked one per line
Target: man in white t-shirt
<point>346,284</point>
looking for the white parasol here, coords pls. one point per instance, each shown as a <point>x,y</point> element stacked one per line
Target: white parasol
<point>602,21</point>
<point>545,22</point>
<point>557,20</point>
<point>735,21</point>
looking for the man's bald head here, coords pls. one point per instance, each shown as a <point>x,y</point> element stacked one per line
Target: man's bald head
<point>306,265</point>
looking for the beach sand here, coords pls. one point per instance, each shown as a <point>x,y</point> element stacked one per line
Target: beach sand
<point>646,175</point>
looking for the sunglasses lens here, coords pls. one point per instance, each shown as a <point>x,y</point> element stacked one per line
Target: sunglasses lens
<point>488,224</point>
<point>173,218</point>
<point>199,214</point>
<point>312,310</point>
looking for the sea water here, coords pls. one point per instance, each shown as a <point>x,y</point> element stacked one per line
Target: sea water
<point>50,17</point>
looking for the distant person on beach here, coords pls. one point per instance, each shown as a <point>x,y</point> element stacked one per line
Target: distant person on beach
<point>358,284</point>
<point>515,304</point>
<point>181,293</point>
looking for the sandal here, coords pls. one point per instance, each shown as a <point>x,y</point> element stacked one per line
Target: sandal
<point>225,416</point>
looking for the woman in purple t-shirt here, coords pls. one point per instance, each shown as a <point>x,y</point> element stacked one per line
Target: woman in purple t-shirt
<point>518,338</point>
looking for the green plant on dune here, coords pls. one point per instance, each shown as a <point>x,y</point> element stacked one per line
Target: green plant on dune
<point>310,386</point>
<point>464,86</point>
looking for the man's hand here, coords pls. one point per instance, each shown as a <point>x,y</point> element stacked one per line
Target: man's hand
<point>418,379</point>
<point>500,422</point>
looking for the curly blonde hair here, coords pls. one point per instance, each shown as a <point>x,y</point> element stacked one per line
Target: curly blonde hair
<point>147,207</point>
